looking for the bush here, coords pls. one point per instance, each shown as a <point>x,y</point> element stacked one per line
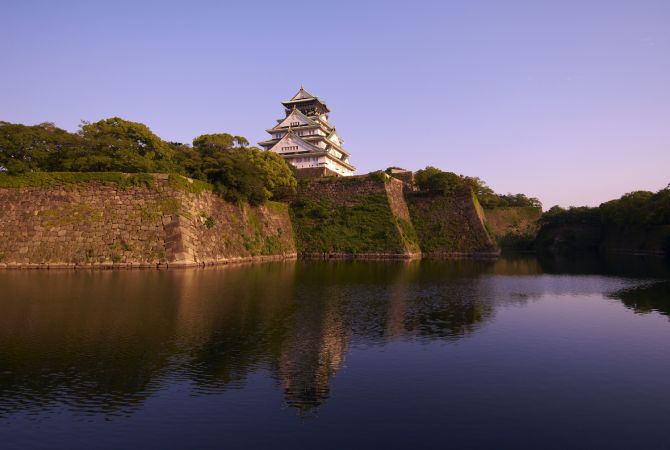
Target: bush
<point>491,200</point>
<point>238,172</point>
<point>435,180</point>
<point>40,147</point>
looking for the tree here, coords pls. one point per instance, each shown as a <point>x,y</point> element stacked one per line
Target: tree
<point>422,177</point>
<point>119,145</point>
<point>209,144</point>
<point>34,148</point>
<point>238,172</point>
<point>435,180</point>
<point>241,141</point>
<point>278,176</point>
<point>241,173</point>
<point>187,160</point>
<point>487,198</point>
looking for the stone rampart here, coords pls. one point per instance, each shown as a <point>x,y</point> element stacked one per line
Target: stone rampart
<point>169,221</point>
<point>450,226</point>
<point>102,224</point>
<point>514,228</point>
<point>353,217</point>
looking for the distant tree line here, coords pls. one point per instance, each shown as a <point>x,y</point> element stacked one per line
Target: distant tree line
<point>639,208</point>
<point>237,171</point>
<point>432,179</point>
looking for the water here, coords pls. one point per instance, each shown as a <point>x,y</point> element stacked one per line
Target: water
<point>516,353</point>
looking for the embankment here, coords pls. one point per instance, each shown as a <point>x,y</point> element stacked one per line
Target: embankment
<point>118,220</point>
<point>450,226</point>
<point>115,220</point>
<point>354,217</point>
<point>514,228</point>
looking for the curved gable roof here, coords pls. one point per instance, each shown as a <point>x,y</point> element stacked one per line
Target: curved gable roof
<point>295,115</point>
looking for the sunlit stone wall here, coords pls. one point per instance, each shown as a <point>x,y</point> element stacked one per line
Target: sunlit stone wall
<point>450,225</point>
<point>103,225</point>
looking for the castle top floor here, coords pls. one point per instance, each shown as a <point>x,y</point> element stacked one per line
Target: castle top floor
<point>306,103</point>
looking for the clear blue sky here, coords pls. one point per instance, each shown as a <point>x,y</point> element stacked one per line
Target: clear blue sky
<point>568,101</point>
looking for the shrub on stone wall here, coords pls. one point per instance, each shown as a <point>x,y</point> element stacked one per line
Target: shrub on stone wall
<point>237,171</point>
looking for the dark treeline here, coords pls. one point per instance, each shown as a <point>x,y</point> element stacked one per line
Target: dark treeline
<point>237,171</point>
<point>638,222</point>
<point>639,208</point>
<point>435,180</point>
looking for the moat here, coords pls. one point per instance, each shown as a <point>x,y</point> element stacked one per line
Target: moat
<point>513,353</point>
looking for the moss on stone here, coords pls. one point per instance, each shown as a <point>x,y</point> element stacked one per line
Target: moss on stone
<point>409,234</point>
<point>254,222</point>
<point>189,185</point>
<point>122,180</point>
<point>277,207</point>
<point>54,179</point>
<point>364,224</point>
<point>449,224</point>
<point>71,214</point>
<point>514,228</point>
<point>155,210</point>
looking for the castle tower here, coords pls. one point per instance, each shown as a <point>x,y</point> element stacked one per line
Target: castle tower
<point>306,140</point>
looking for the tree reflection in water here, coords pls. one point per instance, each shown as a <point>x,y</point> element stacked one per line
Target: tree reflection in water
<point>103,342</point>
<point>650,297</point>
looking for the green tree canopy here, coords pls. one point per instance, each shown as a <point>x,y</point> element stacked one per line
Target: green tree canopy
<point>639,208</point>
<point>210,144</point>
<point>241,173</point>
<point>238,171</point>
<point>435,180</point>
<point>119,145</point>
<point>34,148</point>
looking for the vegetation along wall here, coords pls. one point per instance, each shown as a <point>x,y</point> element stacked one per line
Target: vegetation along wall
<point>359,217</point>
<point>514,228</point>
<point>635,223</point>
<point>450,224</point>
<point>139,220</point>
<point>110,219</point>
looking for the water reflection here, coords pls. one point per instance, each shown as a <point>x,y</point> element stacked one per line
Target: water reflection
<point>609,264</point>
<point>96,341</point>
<point>654,297</point>
<point>103,342</point>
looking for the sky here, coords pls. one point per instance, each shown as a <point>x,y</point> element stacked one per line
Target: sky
<point>567,101</point>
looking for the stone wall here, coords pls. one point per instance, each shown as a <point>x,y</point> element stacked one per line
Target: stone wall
<point>405,176</point>
<point>170,221</point>
<point>96,224</point>
<point>450,225</point>
<point>315,172</point>
<point>395,191</point>
<point>353,217</point>
<point>215,230</point>
<point>514,228</point>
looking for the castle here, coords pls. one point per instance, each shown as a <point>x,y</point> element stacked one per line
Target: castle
<point>306,140</point>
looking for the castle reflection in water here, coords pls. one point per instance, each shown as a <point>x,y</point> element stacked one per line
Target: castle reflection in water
<point>104,342</point>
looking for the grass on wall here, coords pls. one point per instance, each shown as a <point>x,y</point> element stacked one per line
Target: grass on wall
<point>188,184</point>
<point>515,228</point>
<point>53,179</point>
<point>364,224</point>
<point>409,234</point>
<point>122,180</point>
<point>444,223</point>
